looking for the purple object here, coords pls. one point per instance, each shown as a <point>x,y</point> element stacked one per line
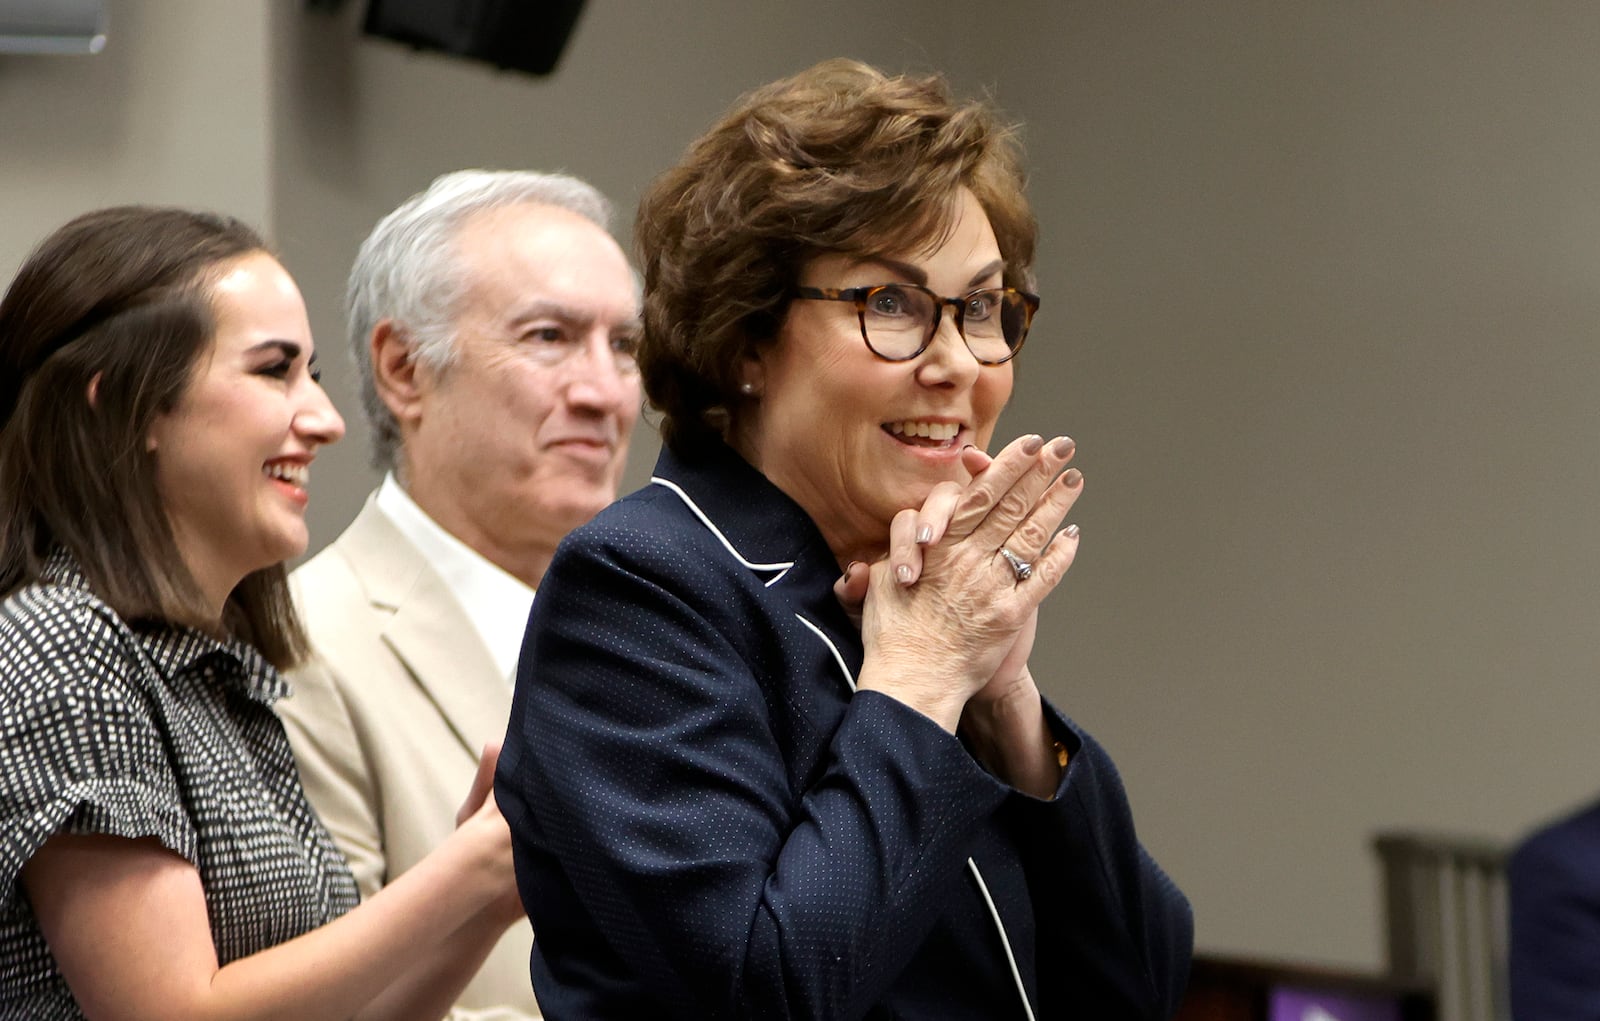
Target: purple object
<point>1291,1004</point>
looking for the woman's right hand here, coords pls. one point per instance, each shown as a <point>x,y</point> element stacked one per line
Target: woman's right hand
<point>482,788</point>
<point>479,821</point>
<point>938,640</point>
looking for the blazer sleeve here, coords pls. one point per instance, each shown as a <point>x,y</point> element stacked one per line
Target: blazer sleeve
<point>1554,886</point>
<point>339,784</point>
<point>641,755</point>
<point>1117,933</point>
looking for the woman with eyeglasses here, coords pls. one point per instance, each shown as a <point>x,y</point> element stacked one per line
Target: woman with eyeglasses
<point>777,749</point>
<point>159,414</point>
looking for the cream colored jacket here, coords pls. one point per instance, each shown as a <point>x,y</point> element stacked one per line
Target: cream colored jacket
<point>388,720</point>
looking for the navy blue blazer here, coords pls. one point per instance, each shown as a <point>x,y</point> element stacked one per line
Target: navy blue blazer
<point>708,822</point>
<point>1554,883</point>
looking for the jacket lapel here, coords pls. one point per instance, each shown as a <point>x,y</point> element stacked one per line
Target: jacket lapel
<point>429,631</point>
<point>769,534</point>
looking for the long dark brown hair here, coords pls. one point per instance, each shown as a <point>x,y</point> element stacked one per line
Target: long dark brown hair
<point>100,332</point>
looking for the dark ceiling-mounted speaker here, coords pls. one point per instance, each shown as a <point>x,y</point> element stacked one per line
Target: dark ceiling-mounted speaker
<point>523,35</point>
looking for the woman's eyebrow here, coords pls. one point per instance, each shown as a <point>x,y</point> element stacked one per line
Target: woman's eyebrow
<point>986,272</point>
<point>289,348</point>
<point>912,272</point>
<point>917,275</point>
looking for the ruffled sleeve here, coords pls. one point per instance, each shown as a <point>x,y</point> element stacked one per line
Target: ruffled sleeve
<point>81,746</point>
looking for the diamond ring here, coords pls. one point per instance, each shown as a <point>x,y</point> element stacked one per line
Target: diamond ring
<point>1019,567</point>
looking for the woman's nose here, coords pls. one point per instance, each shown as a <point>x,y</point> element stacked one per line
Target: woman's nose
<point>948,361</point>
<point>317,418</point>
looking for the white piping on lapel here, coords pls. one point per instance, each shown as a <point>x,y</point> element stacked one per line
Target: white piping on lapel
<point>983,887</point>
<point>1005,941</point>
<point>782,569</point>
<point>849,680</point>
<point>843,669</point>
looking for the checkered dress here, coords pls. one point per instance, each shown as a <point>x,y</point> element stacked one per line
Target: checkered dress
<point>149,731</point>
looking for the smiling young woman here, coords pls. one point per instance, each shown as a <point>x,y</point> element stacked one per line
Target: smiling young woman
<point>158,419</point>
<point>233,455</point>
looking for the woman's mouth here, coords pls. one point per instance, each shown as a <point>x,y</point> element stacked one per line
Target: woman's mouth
<point>295,474</point>
<point>291,479</point>
<point>921,433</point>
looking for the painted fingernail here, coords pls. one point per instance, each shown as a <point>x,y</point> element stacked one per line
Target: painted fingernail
<point>924,535</point>
<point>1071,478</point>
<point>1063,446</point>
<point>1072,531</point>
<point>1032,444</point>
<point>903,573</point>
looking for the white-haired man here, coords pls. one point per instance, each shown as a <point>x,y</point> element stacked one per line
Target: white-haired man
<point>493,318</point>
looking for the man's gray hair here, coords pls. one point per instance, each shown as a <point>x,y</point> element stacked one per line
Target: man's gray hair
<point>408,271</point>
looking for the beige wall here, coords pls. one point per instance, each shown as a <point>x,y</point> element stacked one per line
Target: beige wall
<point>1321,292</point>
<point>360,124</point>
<point>174,110</point>
<point>1325,287</point>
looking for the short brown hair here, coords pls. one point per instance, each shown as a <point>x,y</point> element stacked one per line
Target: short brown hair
<point>117,301</point>
<point>839,158</point>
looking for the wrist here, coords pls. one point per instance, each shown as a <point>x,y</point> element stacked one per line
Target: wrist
<point>479,860</point>
<point>940,699</point>
<point>1012,739</point>
<point>1004,711</point>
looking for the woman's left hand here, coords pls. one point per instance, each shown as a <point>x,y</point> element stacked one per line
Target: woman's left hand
<point>911,531</point>
<point>1004,719</point>
<point>1005,724</point>
<point>1012,678</point>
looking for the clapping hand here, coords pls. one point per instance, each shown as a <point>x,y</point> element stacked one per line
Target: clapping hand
<point>957,622</point>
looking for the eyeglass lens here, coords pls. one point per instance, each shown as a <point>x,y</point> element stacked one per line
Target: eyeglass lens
<point>899,320</point>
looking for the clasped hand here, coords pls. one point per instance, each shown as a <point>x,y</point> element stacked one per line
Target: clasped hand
<point>479,821</point>
<point>948,616</point>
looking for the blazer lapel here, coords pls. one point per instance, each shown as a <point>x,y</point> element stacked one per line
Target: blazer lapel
<point>768,533</point>
<point>429,631</point>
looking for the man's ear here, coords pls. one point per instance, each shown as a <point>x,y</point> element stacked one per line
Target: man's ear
<point>395,371</point>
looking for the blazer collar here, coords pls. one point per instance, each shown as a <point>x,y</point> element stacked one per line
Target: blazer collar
<point>386,563</point>
<point>758,522</point>
<point>770,534</point>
